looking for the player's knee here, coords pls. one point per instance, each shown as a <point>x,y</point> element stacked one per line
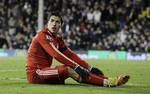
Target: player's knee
<point>70,70</point>
<point>63,72</point>
<point>67,68</point>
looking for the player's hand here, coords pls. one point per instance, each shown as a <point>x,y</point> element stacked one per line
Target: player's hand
<point>96,71</point>
<point>82,72</point>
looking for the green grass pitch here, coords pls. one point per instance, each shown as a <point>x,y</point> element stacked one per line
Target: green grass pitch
<point>12,78</point>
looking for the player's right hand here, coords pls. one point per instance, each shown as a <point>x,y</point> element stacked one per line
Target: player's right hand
<point>82,72</point>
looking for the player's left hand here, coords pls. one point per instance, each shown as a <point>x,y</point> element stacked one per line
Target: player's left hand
<point>96,71</point>
<point>82,72</point>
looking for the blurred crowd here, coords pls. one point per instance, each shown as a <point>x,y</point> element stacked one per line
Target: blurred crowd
<point>18,23</point>
<point>88,24</point>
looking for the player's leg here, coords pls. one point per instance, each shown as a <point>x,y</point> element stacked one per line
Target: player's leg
<point>50,75</point>
<point>99,79</point>
<point>107,81</point>
<point>92,79</point>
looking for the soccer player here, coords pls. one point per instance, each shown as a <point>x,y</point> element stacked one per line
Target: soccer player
<point>49,44</point>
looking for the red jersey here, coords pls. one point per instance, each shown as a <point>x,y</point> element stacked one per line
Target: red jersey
<point>45,46</point>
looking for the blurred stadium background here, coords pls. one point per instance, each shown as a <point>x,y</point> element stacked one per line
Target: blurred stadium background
<point>101,31</point>
<point>104,25</point>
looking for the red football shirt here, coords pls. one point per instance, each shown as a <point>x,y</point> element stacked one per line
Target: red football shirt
<point>45,46</point>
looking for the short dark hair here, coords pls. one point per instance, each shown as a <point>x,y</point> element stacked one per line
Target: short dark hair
<point>56,13</point>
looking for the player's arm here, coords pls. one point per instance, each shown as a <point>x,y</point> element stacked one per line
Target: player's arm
<point>73,56</point>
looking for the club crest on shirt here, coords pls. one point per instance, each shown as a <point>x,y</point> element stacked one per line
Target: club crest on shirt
<point>49,38</point>
<point>57,46</point>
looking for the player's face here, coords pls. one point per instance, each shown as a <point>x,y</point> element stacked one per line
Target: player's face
<point>54,24</point>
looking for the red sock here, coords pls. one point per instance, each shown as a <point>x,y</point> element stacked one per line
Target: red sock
<point>102,76</point>
<point>95,80</point>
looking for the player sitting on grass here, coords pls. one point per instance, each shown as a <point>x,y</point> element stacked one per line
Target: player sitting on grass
<point>48,44</point>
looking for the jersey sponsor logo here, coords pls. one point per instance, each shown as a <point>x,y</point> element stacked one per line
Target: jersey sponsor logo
<point>57,46</point>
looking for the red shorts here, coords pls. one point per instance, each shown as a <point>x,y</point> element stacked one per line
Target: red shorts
<point>48,75</point>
